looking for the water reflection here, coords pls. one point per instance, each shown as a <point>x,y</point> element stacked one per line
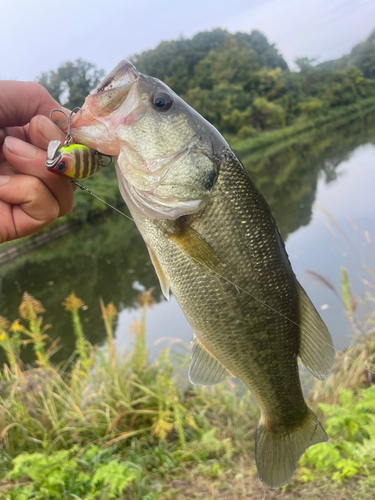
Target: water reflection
<point>108,258</point>
<point>288,177</point>
<point>104,259</point>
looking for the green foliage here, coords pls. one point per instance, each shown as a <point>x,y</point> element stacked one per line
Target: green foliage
<point>124,427</point>
<point>209,446</point>
<point>346,293</point>
<point>179,61</point>
<point>71,82</point>
<point>59,475</point>
<point>239,80</point>
<point>66,429</point>
<point>362,56</point>
<point>350,426</point>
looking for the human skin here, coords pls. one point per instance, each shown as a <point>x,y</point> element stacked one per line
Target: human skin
<point>30,197</point>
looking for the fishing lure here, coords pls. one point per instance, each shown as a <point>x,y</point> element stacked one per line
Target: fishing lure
<point>73,160</point>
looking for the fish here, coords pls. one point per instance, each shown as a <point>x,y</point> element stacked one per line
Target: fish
<point>75,161</point>
<point>215,245</point>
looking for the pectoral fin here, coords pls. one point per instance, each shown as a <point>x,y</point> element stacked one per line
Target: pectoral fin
<point>204,368</point>
<point>316,349</point>
<point>164,285</point>
<point>192,244</point>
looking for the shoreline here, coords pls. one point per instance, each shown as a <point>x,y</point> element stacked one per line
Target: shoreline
<point>12,251</point>
<point>342,115</point>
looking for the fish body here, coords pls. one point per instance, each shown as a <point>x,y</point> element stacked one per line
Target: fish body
<point>214,243</point>
<point>74,161</point>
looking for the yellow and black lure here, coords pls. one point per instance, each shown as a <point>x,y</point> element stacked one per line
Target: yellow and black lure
<point>75,160</point>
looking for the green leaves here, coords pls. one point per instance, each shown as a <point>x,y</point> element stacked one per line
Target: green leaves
<point>59,475</point>
<point>223,76</point>
<point>71,82</point>
<point>351,428</point>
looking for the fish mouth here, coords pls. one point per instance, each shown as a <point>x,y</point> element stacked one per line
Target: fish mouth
<point>113,90</point>
<point>94,124</point>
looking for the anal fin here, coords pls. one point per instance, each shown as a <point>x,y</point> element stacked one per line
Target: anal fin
<point>164,285</point>
<point>204,368</point>
<point>316,349</point>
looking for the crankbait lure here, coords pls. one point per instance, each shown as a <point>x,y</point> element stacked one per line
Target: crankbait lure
<point>73,160</point>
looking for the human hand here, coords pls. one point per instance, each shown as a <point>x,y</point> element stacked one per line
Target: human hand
<point>30,197</point>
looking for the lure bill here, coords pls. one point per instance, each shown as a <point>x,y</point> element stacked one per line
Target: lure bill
<point>75,160</point>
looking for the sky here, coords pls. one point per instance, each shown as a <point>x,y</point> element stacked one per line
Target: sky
<point>40,35</point>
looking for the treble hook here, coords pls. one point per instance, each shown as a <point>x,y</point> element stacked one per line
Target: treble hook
<point>107,156</point>
<point>68,137</point>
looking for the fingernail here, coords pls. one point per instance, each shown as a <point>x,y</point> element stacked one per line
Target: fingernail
<point>20,148</point>
<point>48,129</point>
<point>4,179</point>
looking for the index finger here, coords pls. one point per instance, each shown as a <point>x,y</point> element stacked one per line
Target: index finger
<point>20,101</point>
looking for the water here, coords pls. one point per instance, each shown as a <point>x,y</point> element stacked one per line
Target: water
<point>331,170</point>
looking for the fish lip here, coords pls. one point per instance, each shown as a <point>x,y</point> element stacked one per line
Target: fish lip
<point>123,74</point>
<point>105,110</point>
<point>112,92</point>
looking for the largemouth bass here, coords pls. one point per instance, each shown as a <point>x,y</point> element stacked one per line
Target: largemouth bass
<point>214,243</point>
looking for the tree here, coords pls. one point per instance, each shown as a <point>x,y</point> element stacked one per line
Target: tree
<point>71,82</point>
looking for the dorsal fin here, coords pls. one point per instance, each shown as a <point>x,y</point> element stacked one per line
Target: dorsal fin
<point>164,285</point>
<point>316,349</point>
<point>204,368</point>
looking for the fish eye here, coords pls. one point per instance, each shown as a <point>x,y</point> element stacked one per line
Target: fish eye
<point>162,101</point>
<point>61,166</point>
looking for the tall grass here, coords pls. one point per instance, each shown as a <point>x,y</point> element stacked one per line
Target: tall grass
<point>97,401</point>
<point>100,426</point>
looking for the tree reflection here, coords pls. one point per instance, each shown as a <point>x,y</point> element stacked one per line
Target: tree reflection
<point>288,177</point>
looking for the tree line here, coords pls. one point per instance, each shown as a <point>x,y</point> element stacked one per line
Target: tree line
<point>239,82</point>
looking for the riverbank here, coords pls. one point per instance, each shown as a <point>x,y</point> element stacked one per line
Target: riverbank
<point>337,117</point>
<point>13,250</point>
<point>99,426</point>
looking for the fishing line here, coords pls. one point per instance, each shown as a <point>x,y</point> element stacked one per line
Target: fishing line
<point>83,188</point>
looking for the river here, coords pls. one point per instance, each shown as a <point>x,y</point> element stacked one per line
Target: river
<point>320,187</point>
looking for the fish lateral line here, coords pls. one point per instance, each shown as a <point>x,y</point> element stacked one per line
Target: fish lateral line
<point>237,287</point>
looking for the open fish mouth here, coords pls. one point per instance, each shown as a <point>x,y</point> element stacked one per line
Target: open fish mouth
<point>110,93</point>
<point>113,90</point>
<point>92,124</point>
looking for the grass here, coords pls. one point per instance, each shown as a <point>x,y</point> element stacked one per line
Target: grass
<point>246,148</point>
<point>100,427</point>
<point>143,414</point>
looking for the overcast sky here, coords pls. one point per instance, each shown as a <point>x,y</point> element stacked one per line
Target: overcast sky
<point>39,35</point>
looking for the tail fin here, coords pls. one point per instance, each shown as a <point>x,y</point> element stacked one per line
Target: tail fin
<point>277,454</point>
